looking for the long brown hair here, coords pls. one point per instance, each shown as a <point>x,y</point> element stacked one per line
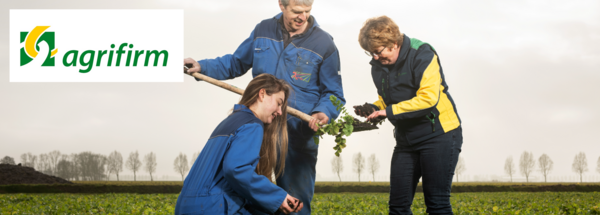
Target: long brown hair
<point>275,134</point>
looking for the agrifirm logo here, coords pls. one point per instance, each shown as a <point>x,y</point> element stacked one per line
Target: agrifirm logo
<point>39,42</point>
<point>31,45</point>
<point>96,45</point>
<point>87,57</point>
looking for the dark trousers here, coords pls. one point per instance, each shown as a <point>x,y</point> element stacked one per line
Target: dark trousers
<point>434,160</point>
<point>298,179</point>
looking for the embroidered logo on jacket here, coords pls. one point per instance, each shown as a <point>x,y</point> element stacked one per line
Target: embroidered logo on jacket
<point>301,76</point>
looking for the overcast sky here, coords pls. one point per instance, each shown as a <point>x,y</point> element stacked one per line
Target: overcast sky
<point>523,75</point>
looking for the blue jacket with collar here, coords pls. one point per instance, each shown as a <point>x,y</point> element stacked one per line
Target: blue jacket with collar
<point>310,64</point>
<point>223,178</point>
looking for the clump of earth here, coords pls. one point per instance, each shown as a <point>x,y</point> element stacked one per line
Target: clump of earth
<point>366,109</point>
<point>16,174</point>
<point>362,126</point>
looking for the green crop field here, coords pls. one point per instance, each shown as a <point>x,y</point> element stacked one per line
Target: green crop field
<point>335,183</point>
<point>130,183</point>
<point>327,203</point>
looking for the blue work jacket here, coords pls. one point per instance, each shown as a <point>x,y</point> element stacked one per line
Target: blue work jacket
<point>223,178</point>
<point>310,64</point>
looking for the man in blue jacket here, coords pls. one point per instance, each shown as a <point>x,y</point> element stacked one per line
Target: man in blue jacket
<point>291,46</point>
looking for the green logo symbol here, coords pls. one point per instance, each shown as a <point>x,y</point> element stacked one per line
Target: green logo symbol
<point>31,47</point>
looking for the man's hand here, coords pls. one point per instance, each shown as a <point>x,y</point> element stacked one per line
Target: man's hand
<point>377,114</point>
<point>319,117</point>
<point>195,65</point>
<point>291,204</point>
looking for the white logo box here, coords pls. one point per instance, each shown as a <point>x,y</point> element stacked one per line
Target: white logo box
<point>96,30</point>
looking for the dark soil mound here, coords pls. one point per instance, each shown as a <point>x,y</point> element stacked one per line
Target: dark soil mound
<point>14,174</point>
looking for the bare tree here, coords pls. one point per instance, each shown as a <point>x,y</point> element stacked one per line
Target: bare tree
<point>53,157</point>
<point>75,168</point>
<point>545,164</point>
<point>91,166</point>
<point>43,164</point>
<point>115,163</point>
<point>28,159</point>
<point>337,166</point>
<point>7,160</point>
<point>580,165</point>
<point>181,164</point>
<point>64,168</point>
<point>526,164</point>
<point>150,164</point>
<point>509,167</point>
<point>460,167</point>
<point>373,165</point>
<point>598,165</point>
<point>106,169</point>
<point>359,164</point>
<point>133,163</point>
<point>193,158</point>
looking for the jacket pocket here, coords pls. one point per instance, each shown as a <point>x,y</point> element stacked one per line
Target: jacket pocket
<point>192,206</point>
<point>234,204</point>
<point>260,61</point>
<point>304,68</point>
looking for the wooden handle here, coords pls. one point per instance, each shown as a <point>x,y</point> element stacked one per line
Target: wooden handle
<point>234,89</point>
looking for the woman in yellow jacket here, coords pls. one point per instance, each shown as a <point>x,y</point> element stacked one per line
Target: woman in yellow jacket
<point>413,95</point>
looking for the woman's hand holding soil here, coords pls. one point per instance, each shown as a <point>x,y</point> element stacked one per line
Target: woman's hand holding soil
<point>367,111</point>
<point>377,116</point>
<point>363,110</point>
<point>291,204</point>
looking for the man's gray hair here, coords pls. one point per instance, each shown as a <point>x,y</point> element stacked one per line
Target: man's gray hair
<point>285,3</point>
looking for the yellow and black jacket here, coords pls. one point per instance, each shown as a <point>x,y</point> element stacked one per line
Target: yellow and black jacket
<point>415,94</point>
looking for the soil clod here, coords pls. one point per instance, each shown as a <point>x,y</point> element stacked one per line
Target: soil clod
<point>363,126</point>
<point>366,110</point>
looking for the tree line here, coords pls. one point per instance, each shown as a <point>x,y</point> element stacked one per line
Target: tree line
<point>358,165</point>
<point>88,166</point>
<point>527,165</point>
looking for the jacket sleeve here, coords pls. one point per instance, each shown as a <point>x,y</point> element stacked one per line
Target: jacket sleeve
<point>231,65</point>
<point>426,69</point>
<point>239,164</point>
<point>379,104</point>
<point>330,79</point>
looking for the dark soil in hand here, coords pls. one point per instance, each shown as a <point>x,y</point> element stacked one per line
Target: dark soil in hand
<point>15,174</point>
<point>366,110</point>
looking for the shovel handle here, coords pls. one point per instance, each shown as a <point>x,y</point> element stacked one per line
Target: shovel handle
<point>234,89</point>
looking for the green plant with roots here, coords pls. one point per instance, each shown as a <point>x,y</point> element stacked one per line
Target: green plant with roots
<point>340,128</point>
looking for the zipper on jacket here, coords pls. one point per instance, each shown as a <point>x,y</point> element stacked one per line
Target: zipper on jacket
<point>432,120</point>
<point>383,87</point>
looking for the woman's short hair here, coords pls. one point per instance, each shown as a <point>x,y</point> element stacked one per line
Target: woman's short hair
<point>379,31</point>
